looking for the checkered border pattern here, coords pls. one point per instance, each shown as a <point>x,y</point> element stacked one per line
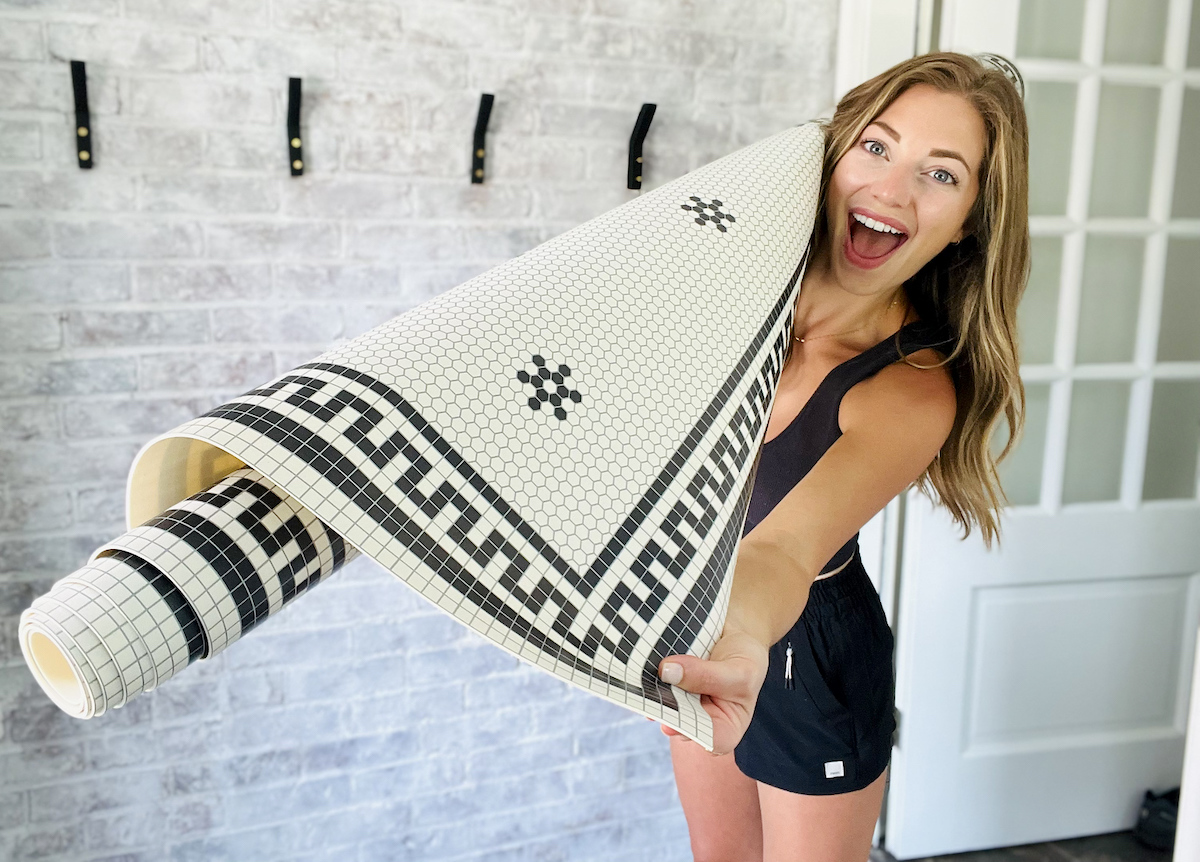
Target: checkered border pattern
<point>236,553</point>
<point>413,488</point>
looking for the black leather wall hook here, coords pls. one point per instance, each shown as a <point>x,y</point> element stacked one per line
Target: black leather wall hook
<point>478,149</point>
<point>295,156</point>
<point>83,123</point>
<point>635,144</point>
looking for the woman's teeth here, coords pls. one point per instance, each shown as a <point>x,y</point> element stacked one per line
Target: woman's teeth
<point>871,242</point>
<point>875,225</point>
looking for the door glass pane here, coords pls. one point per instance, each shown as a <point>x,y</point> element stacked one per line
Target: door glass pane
<point>1037,315</point>
<point>1050,28</point>
<point>1179,329</point>
<point>1124,153</point>
<point>1095,440</point>
<point>1193,57</point>
<point>1050,108</point>
<point>1136,31</point>
<point>1174,440</point>
<point>1021,471</point>
<point>1185,203</point>
<point>1112,282</point>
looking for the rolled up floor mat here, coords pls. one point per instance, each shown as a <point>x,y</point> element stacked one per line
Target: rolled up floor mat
<point>181,587</point>
<point>558,452</point>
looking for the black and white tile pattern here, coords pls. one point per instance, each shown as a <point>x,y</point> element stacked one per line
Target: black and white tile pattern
<point>557,452</point>
<point>182,587</point>
<point>709,213</point>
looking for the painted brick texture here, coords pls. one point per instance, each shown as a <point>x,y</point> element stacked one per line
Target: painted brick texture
<point>360,724</point>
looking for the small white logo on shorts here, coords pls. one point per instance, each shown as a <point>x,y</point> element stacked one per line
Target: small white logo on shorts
<point>835,769</point>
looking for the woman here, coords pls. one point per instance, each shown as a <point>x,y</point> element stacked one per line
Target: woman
<point>905,357</point>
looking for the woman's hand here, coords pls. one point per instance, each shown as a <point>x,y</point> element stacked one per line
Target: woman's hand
<point>728,683</point>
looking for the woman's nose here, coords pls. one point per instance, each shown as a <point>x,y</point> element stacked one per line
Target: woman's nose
<point>894,188</point>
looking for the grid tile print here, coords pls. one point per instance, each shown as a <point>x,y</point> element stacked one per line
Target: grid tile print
<point>181,587</point>
<point>558,452</point>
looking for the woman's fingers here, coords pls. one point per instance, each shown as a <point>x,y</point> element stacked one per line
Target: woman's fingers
<point>734,669</point>
<point>720,678</point>
<point>728,682</point>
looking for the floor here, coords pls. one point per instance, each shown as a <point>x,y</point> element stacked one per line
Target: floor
<point>1114,847</point>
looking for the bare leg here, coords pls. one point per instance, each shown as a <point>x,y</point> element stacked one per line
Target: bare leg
<point>838,828</point>
<point>720,804</point>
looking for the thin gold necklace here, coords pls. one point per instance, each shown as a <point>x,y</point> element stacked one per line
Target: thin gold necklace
<point>804,339</point>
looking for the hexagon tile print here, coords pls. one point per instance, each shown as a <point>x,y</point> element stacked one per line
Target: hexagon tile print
<point>558,452</point>
<point>557,394</point>
<point>709,212</point>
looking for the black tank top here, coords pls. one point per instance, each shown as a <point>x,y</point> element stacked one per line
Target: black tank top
<point>787,457</point>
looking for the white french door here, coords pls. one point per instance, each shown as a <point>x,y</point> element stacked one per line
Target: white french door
<point>1044,686</point>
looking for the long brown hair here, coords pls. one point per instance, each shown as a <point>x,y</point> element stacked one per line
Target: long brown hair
<point>971,287</point>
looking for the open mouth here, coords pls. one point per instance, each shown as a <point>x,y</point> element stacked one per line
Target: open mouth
<point>869,242</point>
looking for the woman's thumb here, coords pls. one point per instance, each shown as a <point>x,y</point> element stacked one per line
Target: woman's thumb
<point>691,673</point>
<point>670,670</point>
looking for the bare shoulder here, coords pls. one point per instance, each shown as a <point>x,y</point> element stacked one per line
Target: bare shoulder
<point>905,399</point>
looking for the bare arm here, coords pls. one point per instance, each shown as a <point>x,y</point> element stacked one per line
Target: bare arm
<point>893,426</point>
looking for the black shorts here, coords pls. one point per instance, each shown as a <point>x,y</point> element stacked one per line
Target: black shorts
<point>832,731</point>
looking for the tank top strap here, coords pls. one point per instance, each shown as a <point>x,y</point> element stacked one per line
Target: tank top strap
<point>907,340</point>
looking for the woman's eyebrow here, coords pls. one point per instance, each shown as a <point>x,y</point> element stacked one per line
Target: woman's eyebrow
<point>940,154</point>
<point>949,154</point>
<point>888,129</point>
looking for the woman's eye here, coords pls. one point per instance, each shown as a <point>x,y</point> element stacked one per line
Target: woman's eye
<point>874,147</point>
<point>944,177</point>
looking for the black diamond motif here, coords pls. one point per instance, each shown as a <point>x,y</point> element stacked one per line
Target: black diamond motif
<point>709,212</point>
<point>549,386</point>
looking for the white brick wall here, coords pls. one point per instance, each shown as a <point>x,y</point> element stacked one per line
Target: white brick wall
<point>361,724</point>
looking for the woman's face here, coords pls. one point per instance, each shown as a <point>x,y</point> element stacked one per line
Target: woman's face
<point>904,190</point>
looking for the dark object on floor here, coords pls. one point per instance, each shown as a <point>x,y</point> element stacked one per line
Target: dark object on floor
<point>1156,821</point>
<point>1109,847</point>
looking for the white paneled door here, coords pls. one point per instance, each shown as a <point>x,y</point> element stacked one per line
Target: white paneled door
<point>1043,686</point>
